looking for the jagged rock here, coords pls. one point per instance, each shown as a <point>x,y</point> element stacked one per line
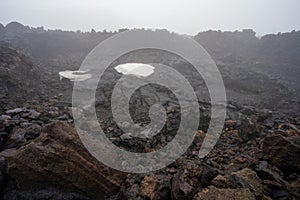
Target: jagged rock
<point>182,188</point>
<point>271,175</point>
<point>148,186</point>
<point>220,194</point>
<point>207,175</point>
<point>31,114</point>
<point>245,178</point>
<point>187,182</point>
<point>58,159</point>
<point>17,137</point>
<point>282,152</point>
<point>33,131</point>
<point>248,129</point>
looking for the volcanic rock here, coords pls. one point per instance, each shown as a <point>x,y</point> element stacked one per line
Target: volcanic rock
<point>14,111</point>
<point>248,130</point>
<point>245,178</point>
<point>283,152</point>
<point>220,194</point>
<point>58,159</point>
<point>148,186</point>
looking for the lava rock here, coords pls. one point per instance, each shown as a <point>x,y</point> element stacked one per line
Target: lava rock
<point>283,152</point>
<point>33,131</point>
<point>245,178</point>
<point>148,186</point>
<point>63,117</point>
<point>270,174</point>
<point>14,111</point>
<point>248,129</point>
<point>17,137</point>
<point>220,194</point>
<point>58,159</point>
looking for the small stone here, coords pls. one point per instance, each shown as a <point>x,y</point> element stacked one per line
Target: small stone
<point>248,130</point>
<point>33,132</point>
<point>63,117</point>
<point>110,129</point>
<point>33,114</point>
<point>25,124</point>
<point>125,136</point>
<point>14,111</point>
<point>5,117</point>
<point>148,186</point>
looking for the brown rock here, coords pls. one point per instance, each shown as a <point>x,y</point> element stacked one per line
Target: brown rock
<point>182,186</point>
<point>222,182</point>
<point>220,194</point>
<point>148,186</point>
<point>58,159</point>
<point>245,178</point>
<point>283,152</point>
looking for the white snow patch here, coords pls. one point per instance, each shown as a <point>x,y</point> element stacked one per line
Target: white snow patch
<point>137,69</point>
<point>74,75</point>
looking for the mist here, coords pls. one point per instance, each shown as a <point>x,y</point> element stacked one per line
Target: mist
<point>185,17</point>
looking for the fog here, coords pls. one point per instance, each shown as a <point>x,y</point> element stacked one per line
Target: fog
<point>186,17</point>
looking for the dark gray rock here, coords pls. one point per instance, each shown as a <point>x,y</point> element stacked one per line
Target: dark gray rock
<point>14,111</point>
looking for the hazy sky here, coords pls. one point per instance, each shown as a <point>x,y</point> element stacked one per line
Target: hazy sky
<point>182,16</point>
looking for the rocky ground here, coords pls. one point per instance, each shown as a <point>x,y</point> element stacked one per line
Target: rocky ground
<point>43,158</point>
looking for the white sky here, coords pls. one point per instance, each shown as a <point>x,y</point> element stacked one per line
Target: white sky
<point>182,16</point>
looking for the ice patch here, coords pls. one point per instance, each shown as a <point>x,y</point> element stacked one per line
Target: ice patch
<point>137,69</point>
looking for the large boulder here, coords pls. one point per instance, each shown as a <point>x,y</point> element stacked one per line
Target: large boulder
<point>58,159</point>
<point>283,152</point>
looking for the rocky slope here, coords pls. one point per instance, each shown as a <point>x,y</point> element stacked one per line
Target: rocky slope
<point>262,72</point>
<point>42,158</point>
<point>20,80</point>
